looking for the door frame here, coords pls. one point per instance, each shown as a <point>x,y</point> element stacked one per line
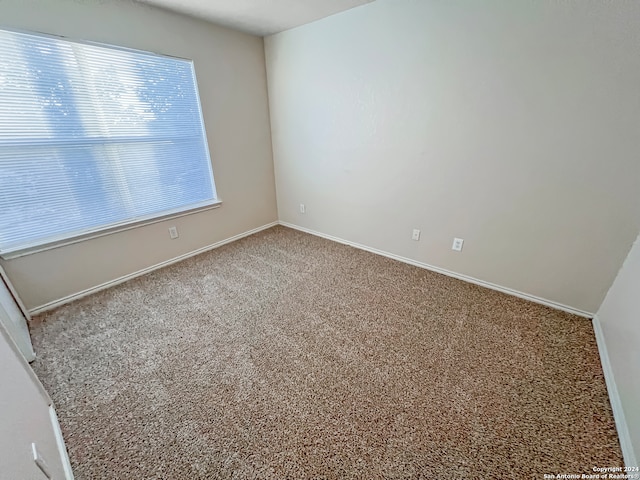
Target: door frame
<point>16,314</point>
<point>15,295</point>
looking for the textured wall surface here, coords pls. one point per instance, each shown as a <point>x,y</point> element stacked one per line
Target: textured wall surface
<point>620,320</point>
<point>230,69</point>
<point>513,125</point>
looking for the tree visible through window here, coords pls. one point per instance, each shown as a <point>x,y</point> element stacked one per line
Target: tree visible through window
<point>92,137</point>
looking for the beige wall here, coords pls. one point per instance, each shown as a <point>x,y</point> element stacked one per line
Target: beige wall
<point>513,125</point>
<point>25,419</point>
<point>231,75</point>
<point>619,318</point>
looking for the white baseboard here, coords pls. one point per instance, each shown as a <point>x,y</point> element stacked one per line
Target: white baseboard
<point>62,448</point>
<point>614,397</point>
<point>144,271</point>
<point>449,273</point>
<point>75,296</point>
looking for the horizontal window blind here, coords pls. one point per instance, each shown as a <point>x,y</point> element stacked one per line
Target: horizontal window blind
<point>92,137</point>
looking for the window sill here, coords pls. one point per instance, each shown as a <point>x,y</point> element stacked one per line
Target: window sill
<point>77,238</point>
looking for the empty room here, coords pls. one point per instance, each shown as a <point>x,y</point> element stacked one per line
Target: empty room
<point>333,239</point>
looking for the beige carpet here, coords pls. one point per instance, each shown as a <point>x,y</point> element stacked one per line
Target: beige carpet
<point>284,355</point>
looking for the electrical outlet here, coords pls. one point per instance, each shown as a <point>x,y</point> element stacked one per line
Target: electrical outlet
<point>173,232</point>
<point>39,461</point>
<point>415,235</point>
<point>457,244</point>
<point>302,208</point>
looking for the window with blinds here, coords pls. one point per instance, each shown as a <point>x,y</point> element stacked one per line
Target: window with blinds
<point>94,137</point>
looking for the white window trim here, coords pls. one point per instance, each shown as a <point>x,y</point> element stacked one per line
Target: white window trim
<point>77,237</point>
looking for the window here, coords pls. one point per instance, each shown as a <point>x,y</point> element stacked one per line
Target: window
<point>93,138</point>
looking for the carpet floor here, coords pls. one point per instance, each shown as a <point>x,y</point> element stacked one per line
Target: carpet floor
<point>284,355</point>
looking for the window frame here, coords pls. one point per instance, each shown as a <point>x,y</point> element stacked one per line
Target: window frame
<point>60,240</point>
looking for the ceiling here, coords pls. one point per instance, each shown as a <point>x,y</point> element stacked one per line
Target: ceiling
<point>258,17</point>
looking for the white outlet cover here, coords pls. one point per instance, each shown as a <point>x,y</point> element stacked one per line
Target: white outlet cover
<point>457,244</point>
<point>416,234</point>
<point>40,462</point>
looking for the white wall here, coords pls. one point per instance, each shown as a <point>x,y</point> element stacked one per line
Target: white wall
<point>24,419</point>
<point>513,125</point>
<point>230,68</point>
<point>619,318</point>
